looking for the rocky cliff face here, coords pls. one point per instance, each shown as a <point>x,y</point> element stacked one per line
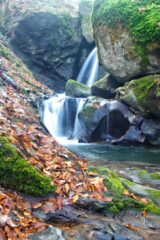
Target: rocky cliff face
<point>49,37</point>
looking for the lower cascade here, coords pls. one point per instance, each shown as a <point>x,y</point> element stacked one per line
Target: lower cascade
<point>60,113</point>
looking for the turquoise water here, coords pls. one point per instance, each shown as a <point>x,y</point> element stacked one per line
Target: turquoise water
<point>97,152</point>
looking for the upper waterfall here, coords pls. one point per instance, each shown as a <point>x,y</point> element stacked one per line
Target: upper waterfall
<point>89,72</point>
<point>60,113</point>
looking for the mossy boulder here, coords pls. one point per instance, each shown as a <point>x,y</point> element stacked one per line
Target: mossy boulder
<point>17,174</point>
<point>127,35</point>
<point>76,89</point>
<point>143,94</point>
<point>105,87</point>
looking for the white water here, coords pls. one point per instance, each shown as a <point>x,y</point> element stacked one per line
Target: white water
<point>89,72</point>
<point>60,113</point>
<point>77,125</point>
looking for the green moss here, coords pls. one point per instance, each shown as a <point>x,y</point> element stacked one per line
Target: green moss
<point>117,205</point>
<point>142,173</point>
<point>153,193</point>
<point>155,176</point>
<point>151,207</point>
<point>16,173</point>
<point>111,180</point>
<point>128,183</point>
<point>140,17</point>
<point>115,189</point>
<point>145,87</point>
<point>76,89</point>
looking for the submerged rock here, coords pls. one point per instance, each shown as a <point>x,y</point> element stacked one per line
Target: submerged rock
<point>105,87</point>
<point>76,89</point>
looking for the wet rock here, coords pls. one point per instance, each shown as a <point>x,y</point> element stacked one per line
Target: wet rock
<point>76,89</point>
<point>143,177</point>
<point>104,120</point>
<point>105,87</point>
<point>51,233</point>
<point>144,191</point>
<point>151,129</point>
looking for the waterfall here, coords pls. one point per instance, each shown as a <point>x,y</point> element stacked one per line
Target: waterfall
<point>60,113</point>
<point>89,72</point>
<point>77,125</point>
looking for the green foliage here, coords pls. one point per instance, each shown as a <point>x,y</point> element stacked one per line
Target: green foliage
<point>16,173</point>
<point>141,17</point>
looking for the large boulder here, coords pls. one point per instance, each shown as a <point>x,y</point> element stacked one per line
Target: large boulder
<point>127,35</point>
<point>105,87</point>
<point>142,94</point>
<point>76,89</point>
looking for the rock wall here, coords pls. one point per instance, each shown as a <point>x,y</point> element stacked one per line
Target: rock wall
<point>50,38</point>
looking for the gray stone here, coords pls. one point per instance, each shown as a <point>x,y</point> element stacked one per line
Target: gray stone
<point>118,55</point>
<point>51,233</point>
<point>105,87</point>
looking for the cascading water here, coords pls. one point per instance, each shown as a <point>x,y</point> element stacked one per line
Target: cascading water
<point>89,72</point>
<point>60,113</point>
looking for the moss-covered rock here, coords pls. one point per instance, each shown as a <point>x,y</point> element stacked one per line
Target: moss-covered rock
<point>105,87</point>
<point>76,89</point>
<point>111,180</point>
<point>17,174</point>
<point>116,189</point>
<point>142,94</point>
<point>127,34</point>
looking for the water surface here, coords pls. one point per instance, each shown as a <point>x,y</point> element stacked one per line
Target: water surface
<point>99,153</point>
